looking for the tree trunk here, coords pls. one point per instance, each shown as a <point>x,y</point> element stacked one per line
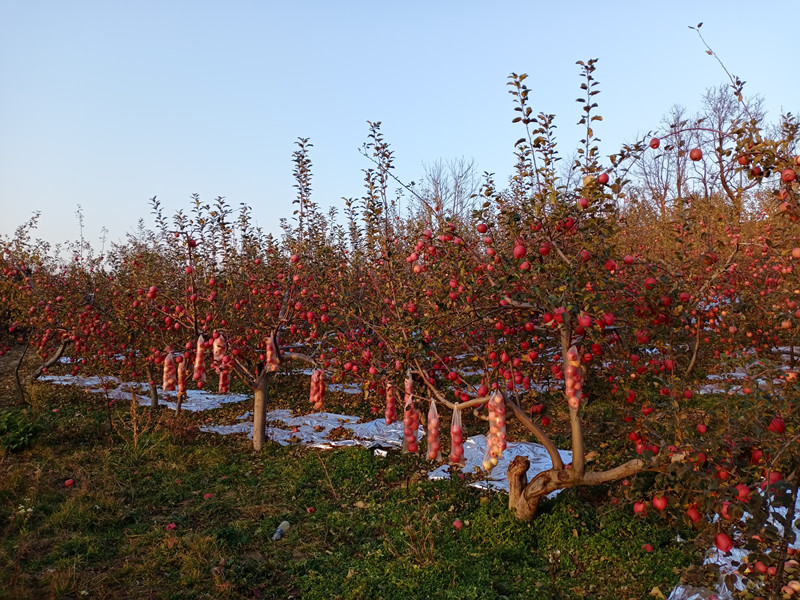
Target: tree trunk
<point>517,482</point>
<point>19,364</point>
<point>153,388</point>
<point>260,411</point>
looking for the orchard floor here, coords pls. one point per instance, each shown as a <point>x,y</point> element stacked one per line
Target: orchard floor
<point>363,526</point>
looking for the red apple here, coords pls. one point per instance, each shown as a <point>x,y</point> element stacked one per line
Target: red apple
<point>458,524</point>
<point>660,502</point>
<point>69,483</point>
<point>723,542</point>
<point>777,425</point>
<point>744,491</point>
<point>655,143</point>
<point>696,154</point>
<point>311,510</point>
<point>788,175</point>
<point>602,179</point>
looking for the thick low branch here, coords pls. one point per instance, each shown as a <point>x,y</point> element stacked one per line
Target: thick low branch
<point>544,440</point>
<point>52,360</point>
<point>524,497</point>
<point>299,356</point>
<point>436,393</point>
<point>440,397</point>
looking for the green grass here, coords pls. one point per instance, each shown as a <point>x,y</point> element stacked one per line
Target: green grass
<point>380,528</point>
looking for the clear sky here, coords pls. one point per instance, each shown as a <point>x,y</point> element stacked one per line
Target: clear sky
<point>106,104</point>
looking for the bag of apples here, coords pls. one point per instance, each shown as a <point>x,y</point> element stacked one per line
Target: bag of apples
<point>410,419</point>
<point>434,448</point>
<point>391,412</point>
<point>317,394</point>
<point>170,372</point>
<point>496,440</point>
<point>457,439</point>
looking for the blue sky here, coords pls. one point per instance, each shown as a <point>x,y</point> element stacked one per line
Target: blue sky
<point>106,104</point>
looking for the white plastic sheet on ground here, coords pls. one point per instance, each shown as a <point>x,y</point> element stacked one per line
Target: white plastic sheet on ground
<point>195,401</point>
<point>313,430</point>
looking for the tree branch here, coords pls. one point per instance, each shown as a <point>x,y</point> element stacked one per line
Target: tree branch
<point>544,440</point>
<point>243,373</point>
<point>52,360</point>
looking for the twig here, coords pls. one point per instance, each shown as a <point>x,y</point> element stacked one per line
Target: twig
<point>330,483</point>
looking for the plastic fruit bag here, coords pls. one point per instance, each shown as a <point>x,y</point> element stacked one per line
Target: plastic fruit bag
<point>496,440</point>
<point>317,396</point>
<point>574,379</point>
<point>434,452</point>
<point>487,459</point>
<point>410,418</point>
<point>219,350</point>
<point>170,375</point>
<point>456,438</point>
<point>182,359</point>
<point>391,411</point>
<point>225,378</point>
<point>271,361</point>
<point>221,362</point>
<point>199,373</point>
